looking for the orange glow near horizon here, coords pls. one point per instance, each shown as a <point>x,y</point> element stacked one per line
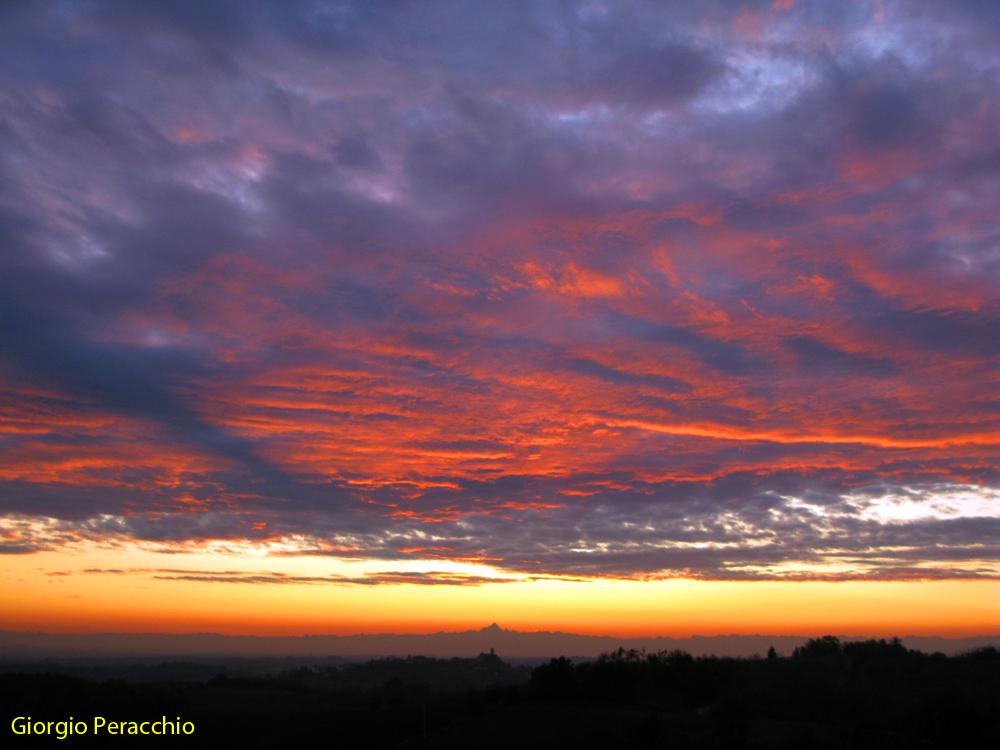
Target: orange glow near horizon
<point>75,601</point>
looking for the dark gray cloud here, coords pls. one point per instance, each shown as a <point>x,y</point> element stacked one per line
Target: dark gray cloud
<point>885,118</point>
<point>815,354</point>
<point>636,291</point>
<point>125,379</point>
<point>422,578</point>
<point>10,548</point>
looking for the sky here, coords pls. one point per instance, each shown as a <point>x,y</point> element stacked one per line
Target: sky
<point>625,317</point>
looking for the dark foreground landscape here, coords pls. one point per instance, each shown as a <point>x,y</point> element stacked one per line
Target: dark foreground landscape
<point>828,694</point>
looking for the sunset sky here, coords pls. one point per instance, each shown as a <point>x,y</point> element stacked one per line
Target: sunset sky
<point>609,317</point>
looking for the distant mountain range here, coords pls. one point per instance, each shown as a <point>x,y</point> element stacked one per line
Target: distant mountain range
<point>506,643</point>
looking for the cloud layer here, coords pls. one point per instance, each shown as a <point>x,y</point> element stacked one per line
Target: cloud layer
<point>559,287</point>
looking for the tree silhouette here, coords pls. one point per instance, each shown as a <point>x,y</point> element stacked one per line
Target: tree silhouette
<point>557,679</point>
<point>828,645</point>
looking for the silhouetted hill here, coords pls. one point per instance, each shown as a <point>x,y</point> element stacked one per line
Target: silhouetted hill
<point>510,643</point>
<point>829,695</point>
